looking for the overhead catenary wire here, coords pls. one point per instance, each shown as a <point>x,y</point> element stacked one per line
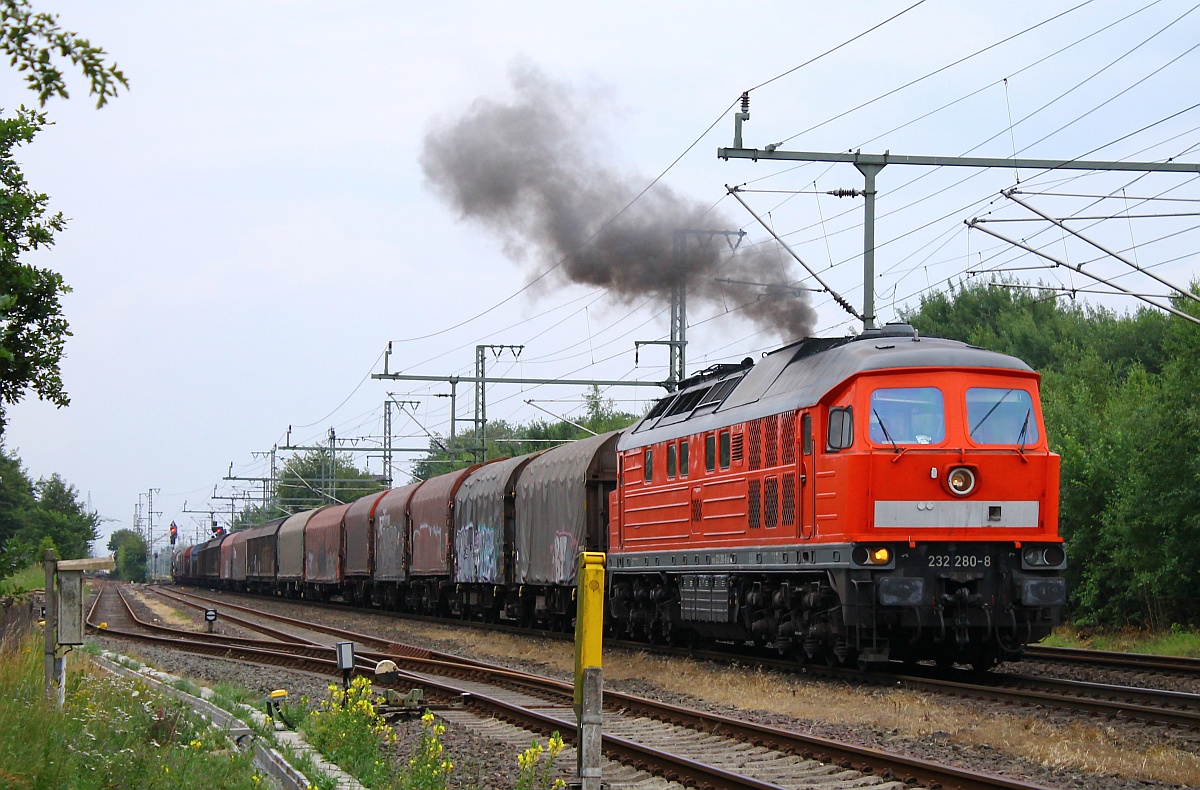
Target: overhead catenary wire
<point>1080,270</point>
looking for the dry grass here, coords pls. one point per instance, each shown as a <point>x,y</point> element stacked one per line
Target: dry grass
<point>1077,746</point>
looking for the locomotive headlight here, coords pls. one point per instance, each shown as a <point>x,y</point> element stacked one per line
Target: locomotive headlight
<point>872,555</point>
<point>1043,556</point>
<point>961,481</point>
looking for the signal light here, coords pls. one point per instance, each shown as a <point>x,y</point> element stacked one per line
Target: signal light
<point>1043,556</point>
<point>872,555</point>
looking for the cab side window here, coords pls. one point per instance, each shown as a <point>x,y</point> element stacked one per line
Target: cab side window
<point>648,465</point>
<point>841,429</point>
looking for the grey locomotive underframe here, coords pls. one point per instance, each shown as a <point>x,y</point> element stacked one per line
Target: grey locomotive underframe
<point>978,600</point>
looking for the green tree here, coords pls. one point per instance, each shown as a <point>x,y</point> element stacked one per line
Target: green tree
<point>1118,395</point>
<point>33,514</point>
<point>129,548</point>
<point>319,478</point>
<point>60,514</point>
<point>16,496</point>
<point>33,330</point>
<point>505,440</point>
<point>34,41</point>
<point>253,515</point>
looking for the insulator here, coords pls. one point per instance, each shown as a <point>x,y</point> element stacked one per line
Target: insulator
<point>746,101</point>
<point>844,193</point>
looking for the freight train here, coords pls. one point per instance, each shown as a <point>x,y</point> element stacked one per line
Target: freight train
<point>862,499</point>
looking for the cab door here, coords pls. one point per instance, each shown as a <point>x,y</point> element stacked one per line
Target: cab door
<point>808,479</point>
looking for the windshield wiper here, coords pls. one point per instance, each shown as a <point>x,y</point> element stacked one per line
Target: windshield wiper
<point>886,435</point>
<point>995,406</point>
<point>1024,432</point>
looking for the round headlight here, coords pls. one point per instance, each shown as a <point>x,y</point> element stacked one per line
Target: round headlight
<point>961,481</point>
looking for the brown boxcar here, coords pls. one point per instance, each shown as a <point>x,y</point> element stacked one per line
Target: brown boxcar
<point>233,560</point>
<point>359,548</point>
<point>431,511</point>
<point>289,552</point>
<point>484,522</point>
<point>260,554</point>
<point>389,545</point>
<point>187,572</point>
<point>562,508</point>
<point>209,561</point>
<point>323,549</point>
<point>358,551</point>
<point>391,534</point>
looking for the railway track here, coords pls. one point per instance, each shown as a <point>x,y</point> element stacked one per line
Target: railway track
<point>1127,661</point>
<point>1147,705</point>
<point>690,747</point>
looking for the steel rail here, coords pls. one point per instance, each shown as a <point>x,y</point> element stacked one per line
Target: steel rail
<point>1074,655</point>
<point>1069,695</point>
<point>418,668</point>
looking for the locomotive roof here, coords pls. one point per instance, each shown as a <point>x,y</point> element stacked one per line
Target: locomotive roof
<point>798,375</point>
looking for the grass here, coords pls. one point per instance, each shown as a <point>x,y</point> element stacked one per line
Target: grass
<point>32,578</point>
<point>112,732</point>
<point>1171,643</point>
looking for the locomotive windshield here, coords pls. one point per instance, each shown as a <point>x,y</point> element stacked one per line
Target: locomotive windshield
<point>907,415</point>
<point>1001,416</point>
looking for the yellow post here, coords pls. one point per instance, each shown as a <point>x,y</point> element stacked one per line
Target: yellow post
<point>589,674</point>
<point>589,617</point>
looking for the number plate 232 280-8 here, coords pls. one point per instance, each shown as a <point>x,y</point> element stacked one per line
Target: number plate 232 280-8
<point>959,562</point>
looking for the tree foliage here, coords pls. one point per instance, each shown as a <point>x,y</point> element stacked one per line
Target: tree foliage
<point>34,516</point>
<point>318,478</point>
<point>505,440</point>
<point>33,330</point>
<point>32,327</point>
<point>130,549</point>
<point>1118,394</point>
<point>34,40</point>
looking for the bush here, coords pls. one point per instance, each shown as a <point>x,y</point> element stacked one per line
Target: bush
<point>348,731</point>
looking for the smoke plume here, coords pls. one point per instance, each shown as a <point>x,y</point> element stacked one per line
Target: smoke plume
<point>522,168</point>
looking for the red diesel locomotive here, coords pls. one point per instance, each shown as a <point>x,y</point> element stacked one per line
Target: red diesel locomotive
<point>863,499</point>
<point>882,496</point>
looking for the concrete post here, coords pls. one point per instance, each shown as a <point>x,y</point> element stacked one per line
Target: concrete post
<point>591,730</point>
<point>51,629</point>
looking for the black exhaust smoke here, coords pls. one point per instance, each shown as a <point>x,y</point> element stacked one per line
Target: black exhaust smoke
<point>522,168</point>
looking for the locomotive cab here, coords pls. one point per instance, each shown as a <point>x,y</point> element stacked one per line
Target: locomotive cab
<point>951,512</point>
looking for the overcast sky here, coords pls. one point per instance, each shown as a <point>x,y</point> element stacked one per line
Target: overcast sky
<point>251,223</point>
